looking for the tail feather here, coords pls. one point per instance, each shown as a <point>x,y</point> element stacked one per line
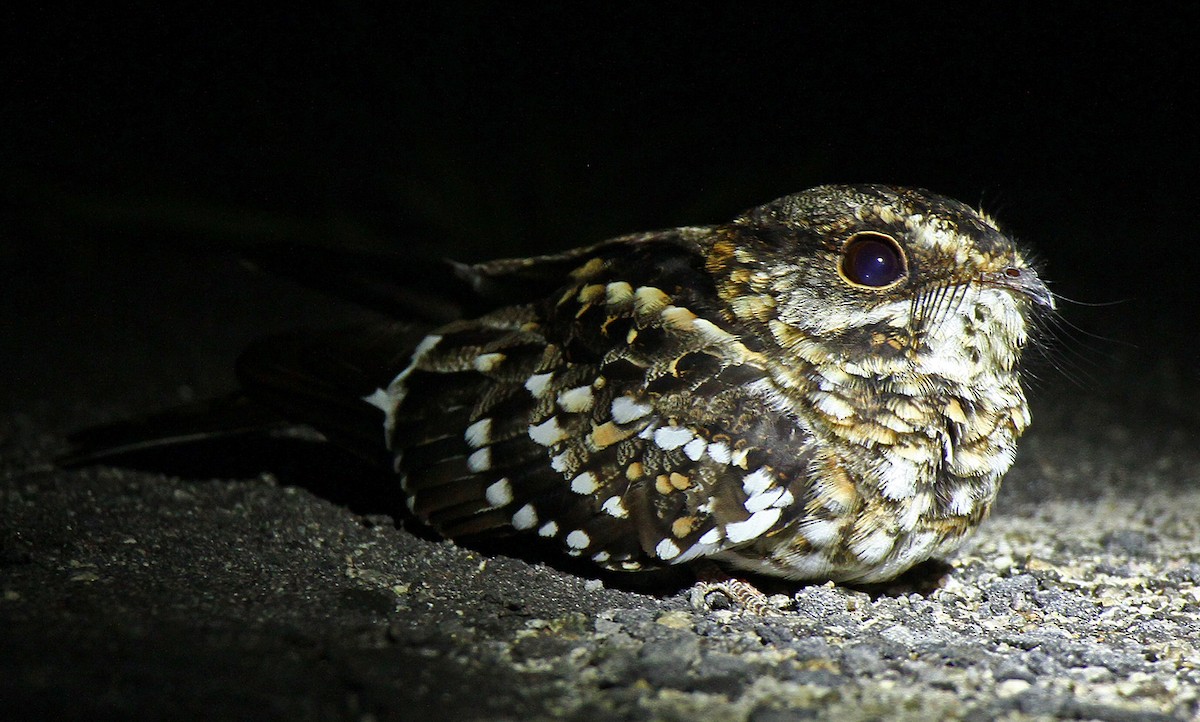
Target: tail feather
<point>229,417</point>
<point>398,286</point>
<point>323,379</point>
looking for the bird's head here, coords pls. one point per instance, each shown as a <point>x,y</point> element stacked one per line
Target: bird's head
<point>881,281</point>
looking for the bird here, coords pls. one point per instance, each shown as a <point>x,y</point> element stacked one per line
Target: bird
<point>827,387</point>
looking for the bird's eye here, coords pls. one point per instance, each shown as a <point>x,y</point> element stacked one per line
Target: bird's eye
<point>872,260</point>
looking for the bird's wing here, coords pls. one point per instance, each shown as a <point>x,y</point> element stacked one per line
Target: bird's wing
<point>614,416</point>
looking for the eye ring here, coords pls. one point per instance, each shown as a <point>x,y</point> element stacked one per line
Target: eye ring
<point>872,260</point>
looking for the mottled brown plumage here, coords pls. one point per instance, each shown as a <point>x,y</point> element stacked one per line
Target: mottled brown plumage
<point>827,387</point>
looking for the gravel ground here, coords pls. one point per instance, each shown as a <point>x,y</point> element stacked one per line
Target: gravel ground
<point>270,591</point>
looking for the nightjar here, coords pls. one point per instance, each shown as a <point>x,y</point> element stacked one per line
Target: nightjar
<point>827,387</point>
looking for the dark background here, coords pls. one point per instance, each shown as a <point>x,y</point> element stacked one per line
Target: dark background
<point>476,131</point>
<point>142,146</point>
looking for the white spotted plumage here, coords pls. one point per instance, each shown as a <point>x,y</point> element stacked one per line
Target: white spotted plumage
<point>732,392</point>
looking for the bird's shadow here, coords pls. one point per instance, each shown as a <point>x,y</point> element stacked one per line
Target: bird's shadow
<point>368,490</point>
<point>363,487</point>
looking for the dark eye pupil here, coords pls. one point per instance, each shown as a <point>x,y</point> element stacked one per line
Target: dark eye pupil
<point>872,260</point>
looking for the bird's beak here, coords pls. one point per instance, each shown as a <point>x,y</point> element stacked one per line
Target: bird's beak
<point>1024,281</point>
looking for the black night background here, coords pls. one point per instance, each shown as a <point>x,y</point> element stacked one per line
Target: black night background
<point>142,147</point>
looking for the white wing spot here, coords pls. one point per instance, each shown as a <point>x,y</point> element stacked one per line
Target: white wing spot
<point>695,448</point>
<point>578,539</point>
<point>672,437</point>
<point>710,330</point>
<point>499,493</point>
<point>479,433</point>
<point>547,433</point>
<point>752,528</point>
<point>618,292</point>
<point>678,317</point>
<point>649,299</point>
<point>488,361</point>
<point>614,507</point>
<point>626,409</point>
<point>584,484</point>
<point>600,557</point>
<point>719,451</point>
<point>666,550</point>
<point>695,551</point>
<point>525,518</point>
<point>536,384</point>
<point>712,536</point>
<point>548,529</point>
<point>756,482</point>
<point>576,400</point>
<point>758,502</point>
<point>559,462</point>
<point>738,458</point>
<point>480,460</point>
